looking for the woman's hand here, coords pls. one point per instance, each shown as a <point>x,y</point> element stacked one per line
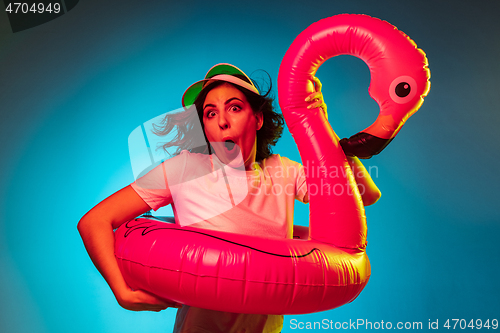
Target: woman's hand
<point>138,300</point>
<point>316,97</point>
<point>96,229</point>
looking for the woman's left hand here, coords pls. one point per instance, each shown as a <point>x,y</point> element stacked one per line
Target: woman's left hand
<point>316,98</point>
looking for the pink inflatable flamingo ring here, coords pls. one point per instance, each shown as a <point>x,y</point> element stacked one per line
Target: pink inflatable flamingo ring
<point>327,266</point>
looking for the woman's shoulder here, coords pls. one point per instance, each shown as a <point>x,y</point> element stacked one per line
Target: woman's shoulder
<point>188,164</point>
<point>191,157</point>
<point>278,160</point>
<point>277,166</point>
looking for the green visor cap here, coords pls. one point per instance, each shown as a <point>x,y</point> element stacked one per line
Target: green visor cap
<point>220,72</point>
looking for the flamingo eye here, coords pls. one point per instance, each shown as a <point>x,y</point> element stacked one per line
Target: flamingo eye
<point>403,89</point>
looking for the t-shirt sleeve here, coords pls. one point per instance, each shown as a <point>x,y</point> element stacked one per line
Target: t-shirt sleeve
<point>154,188</point>
<point>155,196</point>
<point>301,185</point>
<point>296,170</point>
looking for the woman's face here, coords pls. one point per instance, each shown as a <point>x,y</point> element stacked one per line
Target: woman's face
<point>228,117</point>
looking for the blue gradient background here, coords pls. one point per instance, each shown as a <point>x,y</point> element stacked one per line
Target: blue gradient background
<point>73,89</point>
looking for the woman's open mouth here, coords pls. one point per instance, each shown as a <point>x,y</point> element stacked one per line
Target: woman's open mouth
<point>229,144</point>
<point>229,153</point>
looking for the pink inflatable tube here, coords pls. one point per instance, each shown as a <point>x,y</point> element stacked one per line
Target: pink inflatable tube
<point>317,272</point>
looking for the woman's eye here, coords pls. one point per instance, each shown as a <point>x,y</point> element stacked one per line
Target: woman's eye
<point>235,108</point>
<point>210,114</point>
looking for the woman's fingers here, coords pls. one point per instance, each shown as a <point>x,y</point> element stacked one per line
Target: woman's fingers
<point>138,300</point>
<point>317,83</point>
<point>315,95</point>
<point>316,98</point>
<point>316,103</point>
<point>156,302</point>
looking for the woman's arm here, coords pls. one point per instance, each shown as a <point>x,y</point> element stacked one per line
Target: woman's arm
<point>96,230</point>
<point>367,188</point>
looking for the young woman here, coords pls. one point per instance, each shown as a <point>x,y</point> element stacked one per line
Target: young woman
<point>232,113</point>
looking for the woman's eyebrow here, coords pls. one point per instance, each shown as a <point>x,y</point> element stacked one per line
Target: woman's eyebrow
<point>225,103</point>
<point>231,99</point>
<point>212,105</point>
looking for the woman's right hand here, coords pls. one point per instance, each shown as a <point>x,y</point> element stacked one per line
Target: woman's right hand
<point>138,300</point>
<point>316,98</point>
<point>96,230</point>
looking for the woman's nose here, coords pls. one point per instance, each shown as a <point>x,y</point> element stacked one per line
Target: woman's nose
<point>223,121</point>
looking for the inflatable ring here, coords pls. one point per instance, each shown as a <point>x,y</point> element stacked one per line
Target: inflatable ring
<point>239,273</point>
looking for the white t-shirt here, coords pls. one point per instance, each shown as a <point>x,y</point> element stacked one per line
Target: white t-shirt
<point>207,194</point>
